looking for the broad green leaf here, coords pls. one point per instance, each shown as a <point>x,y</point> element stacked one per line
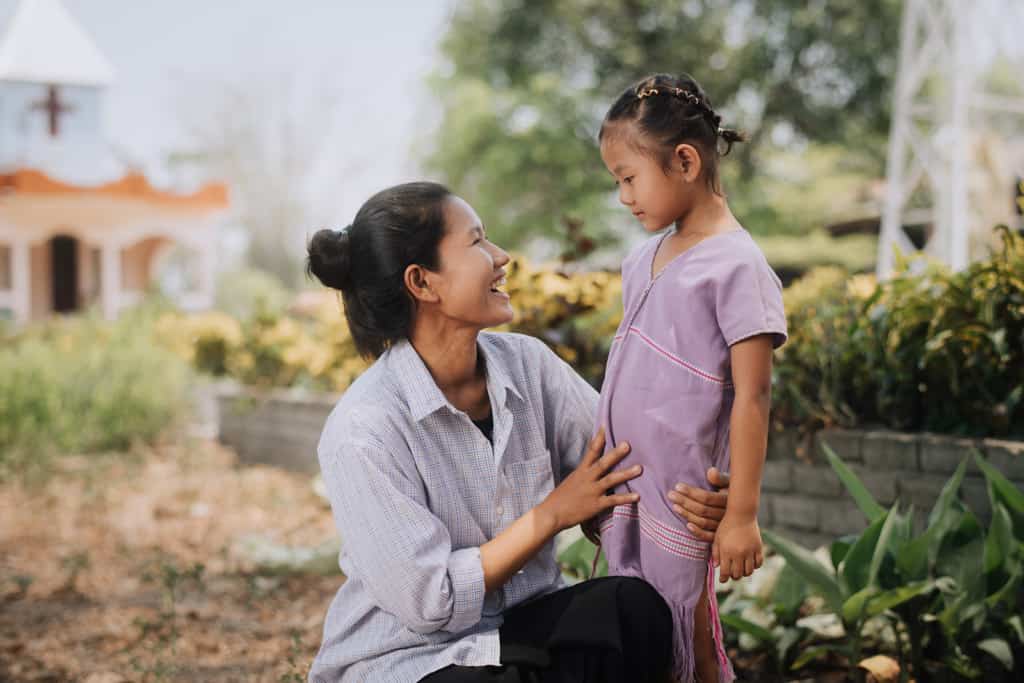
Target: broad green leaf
<point>1018,627</point>
<point>804,562</point>
<point>865,501</point>
<point>838,549</point>
<point>897,596</point>
<point>999,541</point>
<point>912,557</point>
<point>856,571</point>
<point>1001,489</point>
<point>817,652</point>
<point>1008,592</point>
<point>740,624</point>
<point>948,495</point>
<point>856,605</point>
<point>790,592</point>
<point>961,556</point>
<point>882,547</point>
<point>1000,649</point>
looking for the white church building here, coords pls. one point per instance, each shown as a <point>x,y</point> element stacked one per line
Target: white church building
<point>77,228</point>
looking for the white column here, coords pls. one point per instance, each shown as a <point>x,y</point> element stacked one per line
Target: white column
<point>110,280</point>
<point>21,281</point>
<point>207,274</point>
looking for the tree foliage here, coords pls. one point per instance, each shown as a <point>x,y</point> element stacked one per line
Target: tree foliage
<point>527,82</point>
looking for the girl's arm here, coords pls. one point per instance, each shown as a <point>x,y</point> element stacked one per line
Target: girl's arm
<point>737,547</point>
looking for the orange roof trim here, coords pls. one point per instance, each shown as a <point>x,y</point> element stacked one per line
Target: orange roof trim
<point>132,186</point>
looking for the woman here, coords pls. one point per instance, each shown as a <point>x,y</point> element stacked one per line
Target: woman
<point>453,462</point>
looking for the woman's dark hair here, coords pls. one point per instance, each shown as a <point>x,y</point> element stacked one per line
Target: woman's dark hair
<point>366,261</point>
<point>667,111</point>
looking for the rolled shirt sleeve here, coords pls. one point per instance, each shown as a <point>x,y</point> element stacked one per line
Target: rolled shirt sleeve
<point>402,551</point>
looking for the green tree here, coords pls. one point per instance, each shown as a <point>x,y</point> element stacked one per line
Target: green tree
<point>527,81</point>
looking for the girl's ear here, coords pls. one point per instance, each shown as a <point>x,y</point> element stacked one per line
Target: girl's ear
<point>417,281</point>
<point>688,161</point>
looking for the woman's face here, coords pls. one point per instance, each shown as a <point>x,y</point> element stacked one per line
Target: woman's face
<point>472,271</point>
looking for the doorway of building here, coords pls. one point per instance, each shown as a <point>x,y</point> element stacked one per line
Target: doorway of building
<point>64,272</point>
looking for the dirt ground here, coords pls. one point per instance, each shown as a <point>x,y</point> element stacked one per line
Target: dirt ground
<point>129,568</point>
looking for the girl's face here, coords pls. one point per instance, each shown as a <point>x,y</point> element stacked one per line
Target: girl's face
<point>657,198</point>
<point>471,272</point>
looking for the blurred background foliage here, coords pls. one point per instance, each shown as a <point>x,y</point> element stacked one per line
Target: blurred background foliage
<point>526,82</point>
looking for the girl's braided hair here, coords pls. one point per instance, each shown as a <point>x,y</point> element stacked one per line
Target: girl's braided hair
<point>669,110</point>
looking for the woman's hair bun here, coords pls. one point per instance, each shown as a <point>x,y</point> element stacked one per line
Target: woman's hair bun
<point>330,257</point>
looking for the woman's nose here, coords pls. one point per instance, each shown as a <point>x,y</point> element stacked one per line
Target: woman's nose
<point>501,256</point>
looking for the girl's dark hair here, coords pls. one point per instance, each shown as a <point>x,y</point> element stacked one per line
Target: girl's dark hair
<point>366,261</point>
<point>667,111</point>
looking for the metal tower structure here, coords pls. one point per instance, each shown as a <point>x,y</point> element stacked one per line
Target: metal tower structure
<point>937,102</point>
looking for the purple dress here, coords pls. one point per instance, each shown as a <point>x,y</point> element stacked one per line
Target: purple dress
<point>668,392</point>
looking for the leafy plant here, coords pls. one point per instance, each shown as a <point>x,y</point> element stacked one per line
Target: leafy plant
<point>952,593</point>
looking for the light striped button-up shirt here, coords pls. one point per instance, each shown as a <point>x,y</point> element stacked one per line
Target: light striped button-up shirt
<point>416,489</point>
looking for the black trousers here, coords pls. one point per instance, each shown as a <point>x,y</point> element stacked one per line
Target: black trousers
<point>609,630</point>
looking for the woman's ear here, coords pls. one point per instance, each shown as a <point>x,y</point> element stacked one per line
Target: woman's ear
<point>688,161</point>
<point>417,281</point>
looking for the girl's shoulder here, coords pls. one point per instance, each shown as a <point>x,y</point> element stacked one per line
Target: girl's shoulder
<point>737,250</point>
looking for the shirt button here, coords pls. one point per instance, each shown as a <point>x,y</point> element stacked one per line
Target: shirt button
<point>500,510</point>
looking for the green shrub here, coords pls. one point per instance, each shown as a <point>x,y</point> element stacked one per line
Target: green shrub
<point>930,350</point>
<point>84,385</point>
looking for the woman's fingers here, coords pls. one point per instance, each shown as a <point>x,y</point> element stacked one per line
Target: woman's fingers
<point>619,499</point>
<point>717,478</point>
<point>612,457</point>
<point>594,448</point>
<point>613,479</point>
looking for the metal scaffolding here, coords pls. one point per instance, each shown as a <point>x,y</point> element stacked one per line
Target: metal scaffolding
<point>937,101</point>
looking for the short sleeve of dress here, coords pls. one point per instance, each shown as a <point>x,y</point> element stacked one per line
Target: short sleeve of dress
<point>748,301</point>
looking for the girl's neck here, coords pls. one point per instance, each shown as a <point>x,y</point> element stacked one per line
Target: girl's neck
<point>709,215</point>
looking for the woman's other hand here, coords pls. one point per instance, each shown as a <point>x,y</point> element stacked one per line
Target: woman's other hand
<point>703,510</point>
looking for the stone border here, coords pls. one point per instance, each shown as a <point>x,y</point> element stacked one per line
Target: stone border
<point>803,499</point>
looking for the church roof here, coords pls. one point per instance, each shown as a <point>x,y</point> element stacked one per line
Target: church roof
<point>44,44</point>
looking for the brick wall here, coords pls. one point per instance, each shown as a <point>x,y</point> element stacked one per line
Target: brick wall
<point>803,499</point>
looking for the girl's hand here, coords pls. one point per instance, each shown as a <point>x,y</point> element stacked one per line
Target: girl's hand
<point>584,493</point>
<point>737,548</point>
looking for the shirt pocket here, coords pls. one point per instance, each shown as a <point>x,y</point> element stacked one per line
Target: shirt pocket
<point>528,482</point>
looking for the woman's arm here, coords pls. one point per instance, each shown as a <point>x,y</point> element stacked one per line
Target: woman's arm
<point>580,496</point>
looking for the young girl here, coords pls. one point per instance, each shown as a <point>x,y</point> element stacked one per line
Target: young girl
<point>688,382</point>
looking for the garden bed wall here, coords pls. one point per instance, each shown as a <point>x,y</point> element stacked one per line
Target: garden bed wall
<point>801,498</point>
<point>275,427</point>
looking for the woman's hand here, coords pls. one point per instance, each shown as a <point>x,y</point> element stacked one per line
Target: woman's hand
<point>737,548</point>
<point>584,493</point>
<point>702,509</point>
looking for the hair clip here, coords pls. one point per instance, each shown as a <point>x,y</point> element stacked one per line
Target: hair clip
<point>647,93</point>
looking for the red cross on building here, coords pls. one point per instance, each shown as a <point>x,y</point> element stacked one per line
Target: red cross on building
<point>54,107</point>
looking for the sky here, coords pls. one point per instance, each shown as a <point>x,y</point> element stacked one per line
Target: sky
<point>166,53</point>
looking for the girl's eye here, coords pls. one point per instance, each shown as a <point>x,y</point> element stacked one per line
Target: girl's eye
<point>629,180</point>
<point>477,241</point>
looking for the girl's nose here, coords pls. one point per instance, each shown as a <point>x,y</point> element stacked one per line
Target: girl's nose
<point>625,198</point>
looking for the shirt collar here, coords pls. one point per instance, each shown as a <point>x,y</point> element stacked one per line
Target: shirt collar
<point>423,395</point>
